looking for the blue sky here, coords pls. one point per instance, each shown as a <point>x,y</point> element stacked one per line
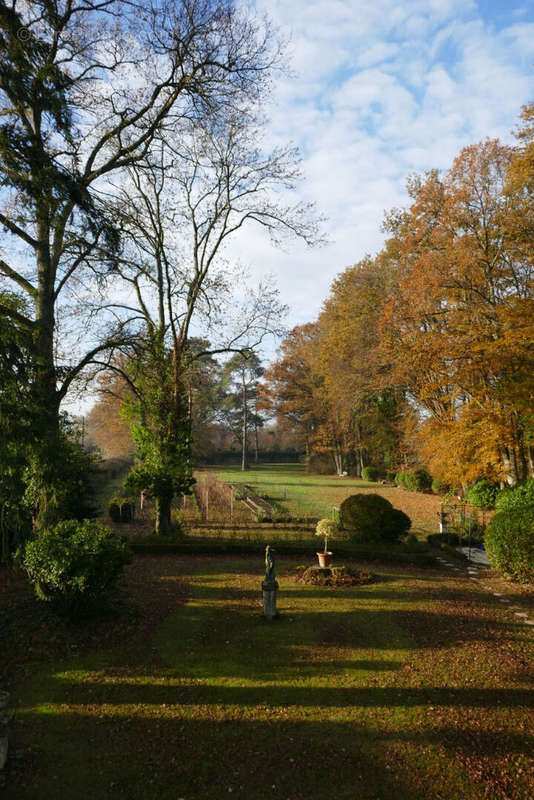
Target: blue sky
<point>382,89</point>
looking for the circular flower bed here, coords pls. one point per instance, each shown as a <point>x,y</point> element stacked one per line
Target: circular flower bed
<point>334,576</point>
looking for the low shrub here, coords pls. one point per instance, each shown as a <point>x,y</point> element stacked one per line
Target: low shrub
<point>74,564</point>
<point>516,497</point>
<point>414,480</point>
<point>121,509</point>
<point>372,518</point>
<point>370,473</point>
<point>510,543</point>
<point>482,494</point>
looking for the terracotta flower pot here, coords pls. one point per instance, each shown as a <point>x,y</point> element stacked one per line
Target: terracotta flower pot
<point>324,558</point>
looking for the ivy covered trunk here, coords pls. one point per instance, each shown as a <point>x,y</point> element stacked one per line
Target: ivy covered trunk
<point>44,490</point>
<point>163,503</point>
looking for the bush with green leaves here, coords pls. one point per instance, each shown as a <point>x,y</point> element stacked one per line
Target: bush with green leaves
<point>515,497</point>
<point>482,494</point>
<point>414,480</point>
<point>372,518</point>
<point>74,564</point>
<point>370,473</point>
<point>121,509</point>
<point>509,543</point>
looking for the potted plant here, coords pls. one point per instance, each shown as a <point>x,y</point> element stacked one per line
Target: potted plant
<point>326,528</point>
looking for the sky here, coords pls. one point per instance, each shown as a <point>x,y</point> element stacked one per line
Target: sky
<point>381,89</point>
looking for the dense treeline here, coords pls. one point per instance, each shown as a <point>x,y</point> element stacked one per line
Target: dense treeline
<point>424,354</point>
<point>224,404</point>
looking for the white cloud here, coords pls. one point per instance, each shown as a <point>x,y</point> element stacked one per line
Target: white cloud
<point>382,89</point>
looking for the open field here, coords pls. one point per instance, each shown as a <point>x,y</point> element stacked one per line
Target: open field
<point>315,495</point>
<point>419,685</point>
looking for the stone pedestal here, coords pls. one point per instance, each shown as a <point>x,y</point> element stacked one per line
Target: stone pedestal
<point>269,599</point>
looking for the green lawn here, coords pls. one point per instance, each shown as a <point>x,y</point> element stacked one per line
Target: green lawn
<point>416,686</point>
<point>315,495</point>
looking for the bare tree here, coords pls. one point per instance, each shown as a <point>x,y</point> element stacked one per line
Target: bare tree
<point>85,86</point>
<point>176,215</point>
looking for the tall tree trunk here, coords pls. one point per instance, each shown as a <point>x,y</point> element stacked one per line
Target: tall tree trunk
<point>256,448</point>
<point>47,463</point>
<point>244,437</point>
<point>507,461</point>
<point>163,513</point>
<point>338,459</point>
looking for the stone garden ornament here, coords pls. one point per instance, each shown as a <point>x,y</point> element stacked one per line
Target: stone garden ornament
<point>269,585</point>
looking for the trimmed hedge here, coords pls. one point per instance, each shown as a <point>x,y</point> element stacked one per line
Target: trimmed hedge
<point>516,497</point>
<point>372,518</point>
<point>414,480</point>
<point>391,553</point>
<point>510,543</point>
<point>483,494</point>
<point>74,564</point>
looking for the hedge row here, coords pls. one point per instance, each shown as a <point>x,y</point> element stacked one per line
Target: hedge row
<point>399,554</point>
<point>510,543</point>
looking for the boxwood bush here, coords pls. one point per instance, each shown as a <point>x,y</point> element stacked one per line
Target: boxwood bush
<point>372,518</point>
<point>74,564</point>
<point>516,497</point>
<point>370,473</point>
<point>510,543</point>
<point>482,494</point>
<point>414,480</point>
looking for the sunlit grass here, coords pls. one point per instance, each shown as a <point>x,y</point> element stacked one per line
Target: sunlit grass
<point>408,687</point>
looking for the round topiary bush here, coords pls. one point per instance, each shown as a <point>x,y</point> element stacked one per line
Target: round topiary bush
<point>482,494</point>
<point>73,565</point>
<point>372,518</point>
<point>516,497</point>
<point>509,543</point>
<point>370,473</point>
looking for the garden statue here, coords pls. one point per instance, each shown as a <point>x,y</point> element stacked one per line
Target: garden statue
<point>269,565</point>
<point>269,585</point>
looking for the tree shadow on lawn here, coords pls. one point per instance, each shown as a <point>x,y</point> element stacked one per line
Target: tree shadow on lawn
<point>388,628</point>
<point>173,693</point>
<point>144,754</point>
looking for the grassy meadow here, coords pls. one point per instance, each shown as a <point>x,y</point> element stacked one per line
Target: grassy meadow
<point>315,496</point>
